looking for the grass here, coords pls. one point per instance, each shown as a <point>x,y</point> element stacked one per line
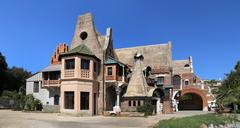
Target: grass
<point>196,121</point>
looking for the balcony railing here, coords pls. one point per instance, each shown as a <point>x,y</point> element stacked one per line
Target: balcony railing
<point>85,73</point>
<point>51,82</point>
<point>69,73</point>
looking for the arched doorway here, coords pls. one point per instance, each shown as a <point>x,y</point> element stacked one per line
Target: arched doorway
<point>190,101</point>
<point>192,98</point>
<point>157,96</point>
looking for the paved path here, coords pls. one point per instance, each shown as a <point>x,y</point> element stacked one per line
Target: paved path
<point>16,119</point>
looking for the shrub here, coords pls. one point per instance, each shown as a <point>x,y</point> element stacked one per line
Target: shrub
<point>19,101</point>
<point>147,108</point>
<point>32,104</point>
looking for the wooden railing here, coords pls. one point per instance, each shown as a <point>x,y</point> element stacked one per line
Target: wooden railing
<point>68,73</point>
<point>51,82</point>
<point>84,73</point>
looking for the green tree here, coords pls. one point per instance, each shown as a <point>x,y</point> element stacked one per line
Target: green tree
<point>12,78</point>
<point>16,78</point>
<point>228,93</point>
<point>3,70</point>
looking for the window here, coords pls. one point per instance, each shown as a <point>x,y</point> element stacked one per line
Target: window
<point>84,100</point>
<point>69,100</point>
<point>160,80</point>
<point>56,100</point>
<point>120,71</point>
<point>83,35</point>
<point>176,80</point>
<point>36,87</point>
<point>129,103</point>
<point>139,103</point>
<point>186,82</point>
<point>109,71</point>
<point>134,103</point>
<point>186,65</point>
<point>54,75</point>
<point>70,64</point>
<point>95,67</point>
<point>85,64</point>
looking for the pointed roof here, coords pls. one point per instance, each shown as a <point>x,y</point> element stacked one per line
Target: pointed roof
<point>81,49</point>
<point>111,60</point>
<point>137,84</point>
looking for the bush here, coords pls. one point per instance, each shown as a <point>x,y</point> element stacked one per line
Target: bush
<point>32,104</point>
<point>147,108</point>
<point>19,101</point>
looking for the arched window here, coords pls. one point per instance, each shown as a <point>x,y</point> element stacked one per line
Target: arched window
<point>176,80</point>
<point>56,100</point>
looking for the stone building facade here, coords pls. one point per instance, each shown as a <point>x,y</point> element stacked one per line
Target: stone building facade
<point>90,77</point>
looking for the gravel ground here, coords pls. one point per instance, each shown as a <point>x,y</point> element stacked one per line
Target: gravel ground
<point>16,119</point>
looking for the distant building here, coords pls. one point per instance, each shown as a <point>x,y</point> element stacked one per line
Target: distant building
<point>92,78</point>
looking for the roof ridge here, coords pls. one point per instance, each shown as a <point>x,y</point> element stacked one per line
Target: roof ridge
<point>140,46</point>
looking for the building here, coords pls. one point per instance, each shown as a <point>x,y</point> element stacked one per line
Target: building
<point>90,77</point>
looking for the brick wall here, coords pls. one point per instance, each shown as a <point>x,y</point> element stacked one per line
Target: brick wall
<point>62,48</point>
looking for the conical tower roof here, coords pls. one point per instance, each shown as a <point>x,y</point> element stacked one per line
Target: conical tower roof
<point>137,84</point>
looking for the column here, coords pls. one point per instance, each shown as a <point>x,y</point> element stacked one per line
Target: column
<point>117,108</point>
<point>123,76</point>
<point>158,106</point>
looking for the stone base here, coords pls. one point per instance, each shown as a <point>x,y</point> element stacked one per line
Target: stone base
<point>117,109</point>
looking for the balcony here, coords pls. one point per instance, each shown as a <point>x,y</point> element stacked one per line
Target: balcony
<point>51,83</point>
<point>85,73</point>
<point>68,73</point>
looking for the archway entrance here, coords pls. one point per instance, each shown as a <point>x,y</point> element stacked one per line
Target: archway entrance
<point>190,101</point>
<point>157,96</point>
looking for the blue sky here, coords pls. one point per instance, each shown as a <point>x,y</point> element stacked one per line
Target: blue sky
<point>208,30</point>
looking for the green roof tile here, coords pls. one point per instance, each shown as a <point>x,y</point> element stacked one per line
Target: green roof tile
<point>81,49</point>
<point>111,60</point>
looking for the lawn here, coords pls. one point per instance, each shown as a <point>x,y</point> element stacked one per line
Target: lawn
<point>196,121</point>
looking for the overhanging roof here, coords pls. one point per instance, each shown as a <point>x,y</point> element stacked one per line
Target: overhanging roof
<point>51,68</point>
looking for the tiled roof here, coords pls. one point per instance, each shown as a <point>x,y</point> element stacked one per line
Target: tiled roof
<point>155,56</point>
<point>52,68</point>
<point>111,60</point>
<point>81,49</point>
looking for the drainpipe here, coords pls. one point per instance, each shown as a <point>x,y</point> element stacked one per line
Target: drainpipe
<point>103,81</point>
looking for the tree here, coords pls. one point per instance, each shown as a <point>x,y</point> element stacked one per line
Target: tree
<point>16,78</point>
<point>228,93</point>
<point>11,78</point>
<point>3,70</point>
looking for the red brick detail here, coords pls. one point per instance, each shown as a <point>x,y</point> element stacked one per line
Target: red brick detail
<point>198,92</point>
<point>62,48</point>
<point>167,109</point>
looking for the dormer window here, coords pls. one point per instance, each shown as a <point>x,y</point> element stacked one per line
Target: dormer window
<point>85,64</point>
